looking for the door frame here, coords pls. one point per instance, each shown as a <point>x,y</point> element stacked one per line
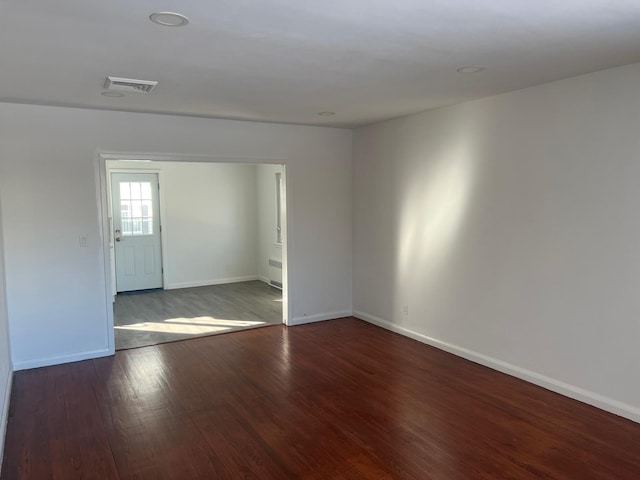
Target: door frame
<point>112,252</point>
<point>105,232</point>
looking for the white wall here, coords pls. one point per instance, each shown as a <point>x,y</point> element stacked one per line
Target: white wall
<point>509,226</point>
<point>209,221</point>
<point>5,355</point>
<point>56,290</point>
<point>267,248</point>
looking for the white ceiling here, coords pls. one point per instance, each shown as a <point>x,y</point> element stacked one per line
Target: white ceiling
<point>286,60</point>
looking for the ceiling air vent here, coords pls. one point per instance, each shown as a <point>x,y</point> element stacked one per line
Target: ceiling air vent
<point>129,85</point>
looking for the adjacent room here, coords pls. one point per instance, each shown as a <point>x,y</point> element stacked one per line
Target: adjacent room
<point>275,239</point>
<point>195,248</point>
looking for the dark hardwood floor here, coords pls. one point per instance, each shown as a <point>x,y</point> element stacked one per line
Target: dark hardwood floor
<point>333,400</point>
<point>149,318</point>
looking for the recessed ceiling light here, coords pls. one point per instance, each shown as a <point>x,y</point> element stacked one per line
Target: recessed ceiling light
<point>112,94</point>
<point>326,114</point>
<point>169,19</point>
<point>470,69</point>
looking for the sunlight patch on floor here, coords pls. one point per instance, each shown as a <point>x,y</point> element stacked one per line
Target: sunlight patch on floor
<point>216,321</point>
<point>189,326</point>
<point>161,327</point>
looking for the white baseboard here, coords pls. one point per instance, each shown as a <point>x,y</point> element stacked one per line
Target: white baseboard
<point>557,386</point>
<point>5,414</point>
<point>216,281</point>
<point>318,317</point>
<point>76,357</point>
<point>264,279</point>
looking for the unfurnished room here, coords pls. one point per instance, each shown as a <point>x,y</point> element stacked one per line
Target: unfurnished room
<point>202,255</point>
<point>299,240</point>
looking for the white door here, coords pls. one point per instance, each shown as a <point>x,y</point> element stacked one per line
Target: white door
<point>136,231</point>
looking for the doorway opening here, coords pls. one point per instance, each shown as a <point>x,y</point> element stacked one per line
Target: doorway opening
<point>195,248</point>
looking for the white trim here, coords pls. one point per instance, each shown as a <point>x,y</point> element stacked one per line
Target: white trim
<point>75,357</point>
<point>319,317</point>
<point>557,386</point>
<point>264,279</point>
<point>216,281</point>
<point>182,157</point>
<point>287,227</point>
<point>5,415</point>
<point>104,233</point>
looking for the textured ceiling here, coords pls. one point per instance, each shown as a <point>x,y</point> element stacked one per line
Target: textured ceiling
<point>286,60</point>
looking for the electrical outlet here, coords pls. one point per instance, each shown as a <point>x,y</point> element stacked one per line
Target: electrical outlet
<point>84,240</point>
<point>405,310</point>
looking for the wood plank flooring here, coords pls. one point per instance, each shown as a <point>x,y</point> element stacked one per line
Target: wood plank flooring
<point>149,318</point>
<point>334,400</point>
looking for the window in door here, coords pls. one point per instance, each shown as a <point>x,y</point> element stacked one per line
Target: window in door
<point>136,208</point>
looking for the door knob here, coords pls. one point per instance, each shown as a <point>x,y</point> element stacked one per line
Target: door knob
<point>117,235</point>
